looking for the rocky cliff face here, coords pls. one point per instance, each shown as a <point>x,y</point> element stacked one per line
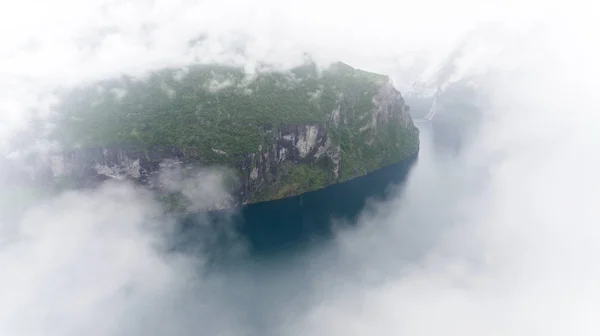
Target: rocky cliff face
<point>274,135</point>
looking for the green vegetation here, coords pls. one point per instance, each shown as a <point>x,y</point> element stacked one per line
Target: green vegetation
<point>209,107</point>
<point>303,178</point>
<point>360,157</point>
<point>218,114</point>
<point>204,107</point>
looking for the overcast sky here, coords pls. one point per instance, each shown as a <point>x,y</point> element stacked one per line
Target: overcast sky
<point>509,229</point>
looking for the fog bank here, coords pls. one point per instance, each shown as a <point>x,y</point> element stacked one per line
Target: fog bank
<point>498,240</point>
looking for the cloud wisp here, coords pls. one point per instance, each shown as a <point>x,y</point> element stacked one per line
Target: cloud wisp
<point>516,251</point>
<point>501,239</point>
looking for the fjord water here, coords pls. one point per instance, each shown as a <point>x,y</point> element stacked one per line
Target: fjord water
<point>294,224</point>
<point>272,258</point>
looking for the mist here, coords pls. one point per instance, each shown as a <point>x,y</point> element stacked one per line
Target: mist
<point>499,239</point>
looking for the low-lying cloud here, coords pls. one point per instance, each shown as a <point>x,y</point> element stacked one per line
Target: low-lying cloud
<point>500,240</point>
<point>517,253</point>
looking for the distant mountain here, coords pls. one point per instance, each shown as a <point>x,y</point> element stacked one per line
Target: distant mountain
<point>446,94</point>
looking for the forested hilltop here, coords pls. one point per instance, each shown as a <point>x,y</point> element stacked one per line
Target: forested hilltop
<point>281,133</point>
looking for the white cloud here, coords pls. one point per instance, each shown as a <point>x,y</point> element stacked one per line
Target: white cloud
<point>501,240</point>
<point>98,263</point>
<point>202,188</point>
<point>521,259</point>
<point>68,258</point>
<point>72,42</point>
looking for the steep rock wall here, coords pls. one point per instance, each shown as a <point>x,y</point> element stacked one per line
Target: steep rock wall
<point>284,135</point>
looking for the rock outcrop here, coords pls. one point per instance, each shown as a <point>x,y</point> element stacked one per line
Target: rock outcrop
<point>278,134</point>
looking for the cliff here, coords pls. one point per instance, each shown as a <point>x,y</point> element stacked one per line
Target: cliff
<point>279,134</point>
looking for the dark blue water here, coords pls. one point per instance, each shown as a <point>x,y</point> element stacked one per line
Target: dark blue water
<point>261,260</point>
<point>265,265</point>
<point>293,224</point>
